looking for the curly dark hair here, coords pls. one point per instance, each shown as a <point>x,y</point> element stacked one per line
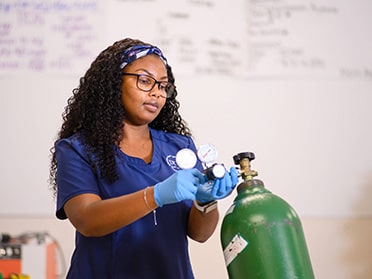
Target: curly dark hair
<point>96,112</point>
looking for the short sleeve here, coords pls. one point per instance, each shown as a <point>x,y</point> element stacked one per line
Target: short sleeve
<point>74,173</point>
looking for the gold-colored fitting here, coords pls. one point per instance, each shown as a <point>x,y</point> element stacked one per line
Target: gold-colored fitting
<point>245,169</point>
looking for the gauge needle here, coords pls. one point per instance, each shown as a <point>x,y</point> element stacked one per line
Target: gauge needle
<point>206,153</point>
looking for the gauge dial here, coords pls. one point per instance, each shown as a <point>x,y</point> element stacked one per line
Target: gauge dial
<point>218,171</point>
<point>207,153</point>
<point>215,171</point>
<point>186,158</point>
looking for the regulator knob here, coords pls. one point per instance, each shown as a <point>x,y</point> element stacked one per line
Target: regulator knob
<point>243,155</point>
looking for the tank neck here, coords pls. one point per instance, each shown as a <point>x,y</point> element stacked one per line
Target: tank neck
<point>251,185</point>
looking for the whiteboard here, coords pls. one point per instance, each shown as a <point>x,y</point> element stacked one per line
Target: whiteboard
<point>288,80</point>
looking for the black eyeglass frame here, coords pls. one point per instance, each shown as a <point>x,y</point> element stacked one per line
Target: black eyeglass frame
<point>169,88</point>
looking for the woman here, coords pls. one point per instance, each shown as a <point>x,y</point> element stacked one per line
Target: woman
<point>114,163</point>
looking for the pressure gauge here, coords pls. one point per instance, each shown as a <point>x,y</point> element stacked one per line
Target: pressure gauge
<point>186,158</point>
<point>207,153</point>
<point>215,171</point>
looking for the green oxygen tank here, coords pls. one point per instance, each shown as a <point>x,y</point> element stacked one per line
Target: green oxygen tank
<point>261,234</point>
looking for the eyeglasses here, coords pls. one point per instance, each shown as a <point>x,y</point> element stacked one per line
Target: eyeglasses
<point>147,83</point>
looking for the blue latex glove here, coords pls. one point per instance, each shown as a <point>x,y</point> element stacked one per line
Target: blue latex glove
<point>180,186</point>
<point>219,188</point>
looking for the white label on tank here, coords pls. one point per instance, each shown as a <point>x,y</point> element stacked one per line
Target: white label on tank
<point>234,248</point>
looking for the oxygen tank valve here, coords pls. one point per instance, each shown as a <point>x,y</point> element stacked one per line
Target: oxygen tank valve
<point>244,160</point>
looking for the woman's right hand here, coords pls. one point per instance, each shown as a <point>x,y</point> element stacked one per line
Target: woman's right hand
<point>180,186</point>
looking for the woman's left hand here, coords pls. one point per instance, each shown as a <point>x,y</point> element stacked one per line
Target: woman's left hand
<point>218,188</point>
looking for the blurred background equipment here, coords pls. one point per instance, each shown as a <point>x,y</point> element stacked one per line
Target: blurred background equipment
<point>18,254</point>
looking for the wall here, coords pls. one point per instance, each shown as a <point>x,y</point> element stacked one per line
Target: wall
<point>288,80</point>
<point>279,78</point>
